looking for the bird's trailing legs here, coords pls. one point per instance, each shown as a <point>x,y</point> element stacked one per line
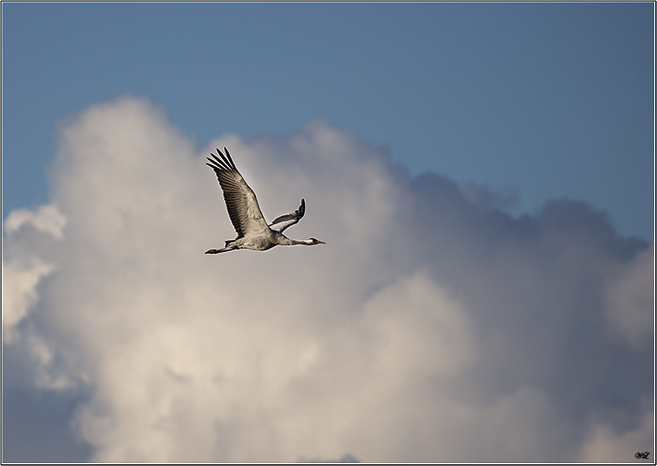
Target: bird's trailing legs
<point>217,251</point>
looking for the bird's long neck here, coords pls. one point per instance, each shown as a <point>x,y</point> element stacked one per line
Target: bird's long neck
<point>285,241</point>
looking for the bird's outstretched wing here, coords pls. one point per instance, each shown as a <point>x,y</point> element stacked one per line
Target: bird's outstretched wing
<point>284,221</point>
<point>241,202</point>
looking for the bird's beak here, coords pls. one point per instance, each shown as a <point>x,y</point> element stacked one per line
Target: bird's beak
<point>320,242</point>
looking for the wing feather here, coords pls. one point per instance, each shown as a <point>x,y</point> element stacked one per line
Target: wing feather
<point>241,201</point>
<point>285,221</point>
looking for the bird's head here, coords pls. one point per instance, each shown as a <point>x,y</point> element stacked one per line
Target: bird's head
<point>313,241</point>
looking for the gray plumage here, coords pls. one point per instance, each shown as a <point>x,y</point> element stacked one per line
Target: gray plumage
<point>287,220</point>
<point>245,214</point>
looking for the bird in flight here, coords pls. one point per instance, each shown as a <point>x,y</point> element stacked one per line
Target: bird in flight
<point>245,214</point>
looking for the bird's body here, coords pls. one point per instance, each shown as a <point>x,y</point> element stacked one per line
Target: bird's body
<point>244,212</point>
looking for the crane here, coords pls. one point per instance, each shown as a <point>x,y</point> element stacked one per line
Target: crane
<point>245,214</point>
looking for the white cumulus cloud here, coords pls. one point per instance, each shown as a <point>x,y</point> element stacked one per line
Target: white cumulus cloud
<point>19,292</point>
<point>431,327</point>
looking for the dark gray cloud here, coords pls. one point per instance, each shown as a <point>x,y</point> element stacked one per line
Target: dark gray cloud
<point>346,458</point>
<point>36,428</point>
<point>536,288</point>
<point>432,327</point>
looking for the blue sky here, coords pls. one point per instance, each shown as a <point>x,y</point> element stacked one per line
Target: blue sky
<point>549,100</point>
